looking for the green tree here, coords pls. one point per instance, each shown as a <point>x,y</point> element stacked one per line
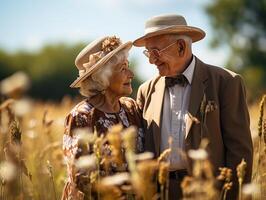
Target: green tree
<point>51,69</point>
<point>241,24</point>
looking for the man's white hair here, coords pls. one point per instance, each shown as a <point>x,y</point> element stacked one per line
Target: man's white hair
<point>99,81</point>
<point>187,39</point>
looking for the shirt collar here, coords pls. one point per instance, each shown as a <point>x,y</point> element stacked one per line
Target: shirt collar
<point>188,73</point>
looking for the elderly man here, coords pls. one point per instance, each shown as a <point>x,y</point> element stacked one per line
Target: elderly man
<point>174,102</point>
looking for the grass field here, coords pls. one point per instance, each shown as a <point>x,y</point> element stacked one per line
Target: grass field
<point>32,164</point>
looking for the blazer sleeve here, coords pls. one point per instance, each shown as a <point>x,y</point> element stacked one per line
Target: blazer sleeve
<point>141,103</point>
<point>140,100</point>
<point>235,125</point>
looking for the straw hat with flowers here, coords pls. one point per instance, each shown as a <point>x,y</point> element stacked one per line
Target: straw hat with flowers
<point>95,55</point>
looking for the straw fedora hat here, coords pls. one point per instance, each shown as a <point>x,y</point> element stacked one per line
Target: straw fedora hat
<point>96,54</point>
<point>169,24</point>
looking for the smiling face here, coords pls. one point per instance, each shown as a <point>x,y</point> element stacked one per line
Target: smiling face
<point>120,81</point>
<point>174,54</point>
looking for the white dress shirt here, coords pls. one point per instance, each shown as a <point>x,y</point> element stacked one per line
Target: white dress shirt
<point>175,107</point>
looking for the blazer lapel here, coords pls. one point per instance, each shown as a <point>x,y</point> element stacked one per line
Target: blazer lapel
<point>197,91</point>
<point>157,99</point>
<point>189,122</point>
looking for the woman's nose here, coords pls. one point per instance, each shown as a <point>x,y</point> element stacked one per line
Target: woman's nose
<point>131,73</point>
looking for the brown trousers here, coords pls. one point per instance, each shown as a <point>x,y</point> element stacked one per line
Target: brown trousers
<point>175,192</point>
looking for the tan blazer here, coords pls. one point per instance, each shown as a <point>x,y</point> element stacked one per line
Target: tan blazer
<point>226,127</point>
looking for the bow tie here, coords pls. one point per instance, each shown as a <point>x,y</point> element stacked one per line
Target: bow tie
<point>179,79</point>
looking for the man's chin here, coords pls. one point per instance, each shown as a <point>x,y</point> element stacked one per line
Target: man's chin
<point>161,70</point>
<point>162,73</point>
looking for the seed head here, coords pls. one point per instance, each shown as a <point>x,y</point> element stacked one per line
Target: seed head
<point>241,171</point>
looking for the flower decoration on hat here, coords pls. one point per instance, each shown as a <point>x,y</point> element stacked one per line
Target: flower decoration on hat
<point>93,59</point>
<point>110,43</point>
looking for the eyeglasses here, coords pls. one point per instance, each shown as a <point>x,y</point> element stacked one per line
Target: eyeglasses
<point>155,52</point>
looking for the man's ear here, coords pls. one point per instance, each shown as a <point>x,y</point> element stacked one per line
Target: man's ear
<point>181,45</point>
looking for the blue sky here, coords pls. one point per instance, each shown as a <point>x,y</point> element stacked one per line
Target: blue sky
<point>29,24</point>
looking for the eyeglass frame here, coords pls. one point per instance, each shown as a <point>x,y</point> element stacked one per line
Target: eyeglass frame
<point>147,52</point>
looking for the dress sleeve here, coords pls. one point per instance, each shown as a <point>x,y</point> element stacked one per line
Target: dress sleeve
<point>135,118</point>
<point>72,150</point>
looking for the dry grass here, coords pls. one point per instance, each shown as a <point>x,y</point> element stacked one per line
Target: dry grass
<point>32,164</point>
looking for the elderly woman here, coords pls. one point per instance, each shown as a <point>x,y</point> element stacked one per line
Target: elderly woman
<point>104,79</point>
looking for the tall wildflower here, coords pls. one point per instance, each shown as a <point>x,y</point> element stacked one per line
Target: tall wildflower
<point>225,176</point>
<point>250,190</point>
<point>201,184</point>
<point>262,136</point>
<point>163,179</point>
<point>97,147</point>
<point>260,123</point>
<point>8,171</point>
<point>51,175</point>
<point>15,85</point>
<point>164,155</point>
<point>129,138</point>
<point>241,172</point>
<point>140,173</point>
<point>145,181</point>
<point>15,133</point>
<point>110,187</point>
<point>115,140</point>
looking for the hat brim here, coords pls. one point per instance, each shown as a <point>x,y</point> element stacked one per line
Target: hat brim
<point>100,63</point>
<point>194,33</point>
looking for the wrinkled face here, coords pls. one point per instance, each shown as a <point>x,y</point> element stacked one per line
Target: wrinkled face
<point>120,81</point>
<point>166,54</point>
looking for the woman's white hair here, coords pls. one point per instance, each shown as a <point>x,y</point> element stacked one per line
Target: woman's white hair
<point>99,81</point>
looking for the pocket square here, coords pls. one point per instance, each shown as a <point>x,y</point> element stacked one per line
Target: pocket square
<point>206,107</point>
<point>211,106</point>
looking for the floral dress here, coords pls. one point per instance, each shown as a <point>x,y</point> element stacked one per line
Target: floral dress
<point>84,115</point>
